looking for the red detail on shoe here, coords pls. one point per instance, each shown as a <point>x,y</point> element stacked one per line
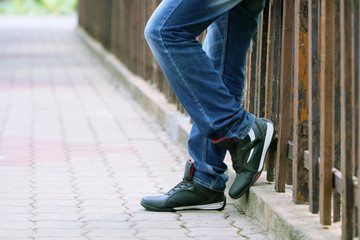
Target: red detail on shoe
<point>257,177</point>
<point>192,169</point>
<point>219,140</point>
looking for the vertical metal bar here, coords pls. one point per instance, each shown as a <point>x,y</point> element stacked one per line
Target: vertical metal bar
<point>314,108</point>
<point>268,59</point>
<point>355,73</point>
<point>102,26</point>
<point>140,35</point>
<point>247,80</point>
<point>274,75</point>
<point>263,60</point>
<point>270,156</point>
<point>94,21</point>
<point>114,28</point>
<point>300,131</point>
<point>258,66</point>
<point>276,60</point>
<point>130,32</point>
<point>285,85</point>
<point>126,34</point>
<point>326,109</point>
<point>133,50</point>
<point>346,119</point>
<point>357,79</point>
<point>137,37</point>
<point>143,18</point>
<point>108,20</point>
<point>159,78</point>
<point>80,13</point>
<point>252,75</point>
<point>149,69</point>
<point>119,23</point>
<point>337,110</point>
<point>97,24</point>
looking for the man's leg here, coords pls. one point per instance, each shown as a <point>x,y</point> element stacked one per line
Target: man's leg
<point>171,33</point>
<point>200,87</point>
<point>247,153</point>
<point>226,44</point>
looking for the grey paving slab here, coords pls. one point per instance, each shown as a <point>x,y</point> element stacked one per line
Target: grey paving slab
<point>106,217</point>
<point>77,154</point>
<point>59,224</point>
<point>17,216</point>
<point>163,233</point>
<point>150,224</point>
<point>54,196</point>
<point>108,225</point>
<point>62,238</point>
<point>16,234</point>
<point>102,203</point>
<point>103,209</point>
<point>99,197</point>
<point>193,223</point>
<point>67,217</point>
<point>216,232</point>
<point>15,202</point>
<point>154,216</point>
<point>58,232</point>
<point>55,202</point>
<point>16,225</point>
<point>111,233</point>
<point>16,209</point>
<point>54,209</point>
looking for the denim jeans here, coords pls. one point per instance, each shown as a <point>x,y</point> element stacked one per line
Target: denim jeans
<point>208,80</point>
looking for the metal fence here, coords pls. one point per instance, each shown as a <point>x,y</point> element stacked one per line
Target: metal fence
<point>302,73</point>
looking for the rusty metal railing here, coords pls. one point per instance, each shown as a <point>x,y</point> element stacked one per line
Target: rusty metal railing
<point>302,73</point>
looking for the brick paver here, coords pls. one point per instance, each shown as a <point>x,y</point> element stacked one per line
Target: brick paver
<point>77,154</point>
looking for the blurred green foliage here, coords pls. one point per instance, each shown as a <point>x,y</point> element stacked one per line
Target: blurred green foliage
<point>37,7</point>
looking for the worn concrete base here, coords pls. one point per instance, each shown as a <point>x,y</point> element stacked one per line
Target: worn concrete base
<point>283,219</point>
<point>275,211</point>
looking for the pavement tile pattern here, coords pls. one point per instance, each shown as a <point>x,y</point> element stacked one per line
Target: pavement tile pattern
<point>77,153</point>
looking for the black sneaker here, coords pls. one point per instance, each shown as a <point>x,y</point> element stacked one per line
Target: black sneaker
<point>187,195</point>
<point>248,155</point>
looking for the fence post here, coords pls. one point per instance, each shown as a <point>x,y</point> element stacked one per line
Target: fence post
<point>285,86</point>
<point>314,105</point>
<point>356,73</point>
<point>274,77</point>
<point>337,110</point>
<point>263,59</point>
<point>346,119</point>
<point>326,109</point>
<point>357,79</point>
<point>252,74</point>
<point>300,131</point>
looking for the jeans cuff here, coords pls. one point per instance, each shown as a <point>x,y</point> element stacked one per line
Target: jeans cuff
<point>209,185</point>
<point>238,136</point>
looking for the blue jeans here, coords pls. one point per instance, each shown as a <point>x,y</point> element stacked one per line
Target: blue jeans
<point>208,80</point>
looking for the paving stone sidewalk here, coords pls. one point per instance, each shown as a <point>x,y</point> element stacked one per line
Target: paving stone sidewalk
<point>77,153</point>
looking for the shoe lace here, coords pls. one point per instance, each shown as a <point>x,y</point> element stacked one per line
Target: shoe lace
<point>181,184</point>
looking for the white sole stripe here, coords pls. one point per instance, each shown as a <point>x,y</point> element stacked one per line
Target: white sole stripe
<point>210,206</point>
<point>252,138</point>
<point>268,138</point>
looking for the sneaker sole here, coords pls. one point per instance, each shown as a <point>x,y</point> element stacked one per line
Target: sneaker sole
<point>211,206</point>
